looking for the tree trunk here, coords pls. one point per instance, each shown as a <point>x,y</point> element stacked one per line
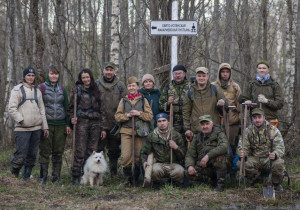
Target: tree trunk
<point>297,72</point>
<point>214,34</point>
<point>264,9</point>
<point>115,43</point>
<point>106,32</point>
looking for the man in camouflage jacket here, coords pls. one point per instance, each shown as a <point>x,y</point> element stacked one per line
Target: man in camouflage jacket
<point>207,158</point>
<point>174,93</point>
<point>257,152</point>
<point>160,143</point>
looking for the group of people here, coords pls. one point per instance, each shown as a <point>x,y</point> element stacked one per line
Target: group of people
<point>181,128</point>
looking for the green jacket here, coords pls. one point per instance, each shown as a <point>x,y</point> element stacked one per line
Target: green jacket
<point>161,148</point>
<point>258,144</point>
<point>178,91</point>
<point>271,90</point>
<point>213,145</point>
<point>201,102</point>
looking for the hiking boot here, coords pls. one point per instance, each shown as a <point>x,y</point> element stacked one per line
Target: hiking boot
<point>15,171</point>
<point>156,185</point>
<point>76,180</point>
<point>43,173</point>
<point>26,172</point>
<point>279,188</point>
<point>56,169</point>
<point>219,188</point>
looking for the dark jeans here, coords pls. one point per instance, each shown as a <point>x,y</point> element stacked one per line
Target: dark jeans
<point>27,144</point>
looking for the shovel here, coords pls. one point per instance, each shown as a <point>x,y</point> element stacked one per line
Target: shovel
<point>268,191</point>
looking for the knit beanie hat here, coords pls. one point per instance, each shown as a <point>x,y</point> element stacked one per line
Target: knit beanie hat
<point>179,67</point>
<point>148,76</point>
<point>28,70</point>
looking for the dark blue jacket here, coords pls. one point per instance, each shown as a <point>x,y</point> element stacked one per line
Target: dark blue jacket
<point>153,99</point>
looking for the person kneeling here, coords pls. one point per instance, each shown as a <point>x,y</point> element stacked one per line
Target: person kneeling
<point>206,159</point>
<point>168,150</point>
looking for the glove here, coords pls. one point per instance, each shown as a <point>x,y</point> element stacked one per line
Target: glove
<point>262,99</point>
<point>248,102</point>
<point>221,102</point>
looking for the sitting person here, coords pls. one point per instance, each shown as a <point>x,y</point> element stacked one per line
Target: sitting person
<point>160,142</point>
<point>257,153</point>
<point>207,158</point>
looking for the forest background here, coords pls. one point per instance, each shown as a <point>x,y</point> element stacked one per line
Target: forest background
<point>76,34</point>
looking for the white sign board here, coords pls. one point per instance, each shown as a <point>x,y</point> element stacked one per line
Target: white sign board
<point>174,27</point>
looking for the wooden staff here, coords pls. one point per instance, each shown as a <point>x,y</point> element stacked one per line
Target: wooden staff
<point>74,126</point>
<point>132,148</point>
<point>242,166</point>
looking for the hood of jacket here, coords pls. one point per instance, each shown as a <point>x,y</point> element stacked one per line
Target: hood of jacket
<point>218,75</point>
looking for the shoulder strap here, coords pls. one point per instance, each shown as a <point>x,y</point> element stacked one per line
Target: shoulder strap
<point>23,96</point>
<point>214,88</point>
<point>120,88</point>
<point>35,96</point>
<point>98,82</point>
<point>43,88</point>
<point>78,94</point>
<point>189,93</point>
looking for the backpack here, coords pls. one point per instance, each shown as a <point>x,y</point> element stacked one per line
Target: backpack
<point>24,99</point>
<point>213,87</point>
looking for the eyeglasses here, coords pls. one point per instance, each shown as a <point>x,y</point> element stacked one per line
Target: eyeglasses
<point>178,73</point>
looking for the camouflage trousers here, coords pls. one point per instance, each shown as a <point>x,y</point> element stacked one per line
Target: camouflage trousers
<point>215,170</point>
<point>162,170</point>
<point>126,149</point>
<point>27,145</point>
<point>255,166</point>
<point>112,143</point>
<point>86,141</point>
<point>53,145</point>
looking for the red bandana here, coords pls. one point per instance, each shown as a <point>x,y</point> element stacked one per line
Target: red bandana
<point>132,97</point>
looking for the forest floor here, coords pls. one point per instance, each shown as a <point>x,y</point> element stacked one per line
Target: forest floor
<point>18,194</point>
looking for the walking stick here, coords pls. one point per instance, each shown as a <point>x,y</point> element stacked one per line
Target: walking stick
<point>242,166</point>
<point>74,127</point>
<point>133,162</point>
<point>171,136</point>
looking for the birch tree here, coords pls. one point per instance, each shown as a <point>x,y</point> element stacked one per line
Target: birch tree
<point>115,43</point>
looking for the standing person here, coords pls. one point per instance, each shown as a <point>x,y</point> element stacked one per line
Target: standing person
<point>257,152</point>
<point>232,91</point>
<point>202,98</point>
<point>174,93</point>
<point>265,91</point>
<point>26,107</point>
<point>207,159</point>
<point>151,93</point>
<point>112,90</point>
<point>90,121</point>
<point>160,143</point>
<point>56,102</point>
<point>132,105</point>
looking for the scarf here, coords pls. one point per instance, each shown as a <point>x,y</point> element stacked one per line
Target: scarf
<point>165,135</point>
<point>262,79</point>
<point>132,97</point>
<point>224,85</point>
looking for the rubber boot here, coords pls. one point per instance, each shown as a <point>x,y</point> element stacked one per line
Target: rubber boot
<point>15,171</point>
<point>43,173</point>
<point>156,185</point>
<point>56,169</point>
<point>221,175</point>
<point>137,173</point>
<point>76,180</point>
<point>26,172</point>
<point>113,166</point>
<point>128,176</point>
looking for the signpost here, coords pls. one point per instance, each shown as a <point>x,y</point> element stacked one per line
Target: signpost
<point>174,28</point>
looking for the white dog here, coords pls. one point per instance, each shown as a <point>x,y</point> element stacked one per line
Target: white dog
<point>94,169</point>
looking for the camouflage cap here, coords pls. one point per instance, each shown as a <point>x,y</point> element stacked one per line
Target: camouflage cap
<point>131,80</point>
<point>258,111</point>
<point>109,64</point>
<point>202,69</point>
<point>263,62</point>
<point>205,118</point>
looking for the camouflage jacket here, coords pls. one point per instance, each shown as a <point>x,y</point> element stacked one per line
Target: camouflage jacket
<point>271,90</point>
<point>161,148</point>
<point>258,144</point>
<point>178,91</point>
<point>213,145</point>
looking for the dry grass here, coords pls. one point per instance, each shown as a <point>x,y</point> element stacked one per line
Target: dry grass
<point>15,193</point>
